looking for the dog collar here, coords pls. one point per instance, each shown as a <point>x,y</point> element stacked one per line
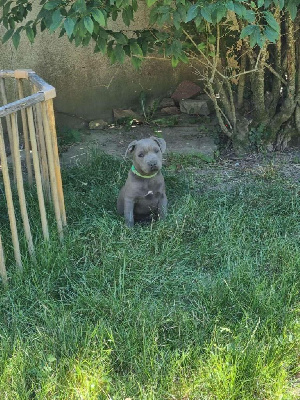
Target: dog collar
<point>133,169</point>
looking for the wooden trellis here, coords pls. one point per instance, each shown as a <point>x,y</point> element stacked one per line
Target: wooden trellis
<point>32,114</point>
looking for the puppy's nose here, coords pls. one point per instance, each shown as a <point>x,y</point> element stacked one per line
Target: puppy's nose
<point>152,163</point>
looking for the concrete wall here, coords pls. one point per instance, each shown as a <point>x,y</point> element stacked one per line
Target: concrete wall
<point>87,85</point>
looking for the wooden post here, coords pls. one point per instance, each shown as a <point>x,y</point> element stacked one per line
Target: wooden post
<point>8,124</point>
<point>9,201</point>
<point>25,133</point>
<point>37,173</point>
<point>42,150</point>
<point>53,182</point>
<point>20,185</point>
<point>3,273</point>
<point>51,120</point>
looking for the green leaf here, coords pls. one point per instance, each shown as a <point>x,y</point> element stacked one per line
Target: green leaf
<point>206,14</point>
<point>86,40</point>
<point>79,6</point>
<point>192,13</point>
<point>88,23</point>
<point>62,32</point>
<point>120,37</point>
<point>198,22</point>
<point>270,34</point>
<point>249,16</point>
<point>78,41</point>
<point>56,20</point>
<point>292,9</point>
<point>201,46</point>
<point>51,358</point>
<point>69,24</point>
<point>16,39</point>
<point>127,16</point>
<point>134,5</point>
<point>247,30</point>
<point>30,34</point>
<point>260,3</point>
<point>184,58</point>
<point>8,34</point>
<point>272,21</point>
<point>51,5</point>
<point>174,62</point>
<point>102,45</point>
<point>239,9</point>
<point>255,36</point>
<point>151,2</point>
<point>99,16</point>
<point>212,39</point>
<point>136,62</point>
<point>96,49</point>
<point>135,49</point>
<point>103,33</point>
<point>6,8</point>
<point>12,23</point>
<point>176,20</point>
<point>219,13</point>
<point>267,3</point>
<point>230,5</point>
<point>79,29</point>
<point>120,53</point>
<point>260,38</point>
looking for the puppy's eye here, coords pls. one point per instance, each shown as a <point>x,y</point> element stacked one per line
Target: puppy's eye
<point>141,155</point>
<point>156,150</point>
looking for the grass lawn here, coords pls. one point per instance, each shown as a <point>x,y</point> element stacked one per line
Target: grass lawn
<point>201,306</point>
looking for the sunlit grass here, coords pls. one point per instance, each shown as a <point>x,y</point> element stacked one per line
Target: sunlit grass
<point>201,306</point>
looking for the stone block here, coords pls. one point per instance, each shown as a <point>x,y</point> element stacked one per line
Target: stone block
<point>120,114</point>
<point>190,106</point>
<point>185,90</point>
<point>98,124</point>
<point>167,102</point>
<point>170,110</point>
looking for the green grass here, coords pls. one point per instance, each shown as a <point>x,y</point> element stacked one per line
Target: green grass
<point>201,306</point>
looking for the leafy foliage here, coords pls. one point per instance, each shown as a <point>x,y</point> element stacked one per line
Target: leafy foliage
<point>218,35</point>
<point>84,21</point>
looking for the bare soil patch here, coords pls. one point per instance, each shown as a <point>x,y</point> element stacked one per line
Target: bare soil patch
<point>190,140</point>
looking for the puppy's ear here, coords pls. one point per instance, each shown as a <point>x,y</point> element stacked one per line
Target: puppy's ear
<point>161,142</point>
<point>130,148</point>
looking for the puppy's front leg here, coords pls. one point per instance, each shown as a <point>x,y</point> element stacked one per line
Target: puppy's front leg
<point>163,207</point>
<point>128,212</point>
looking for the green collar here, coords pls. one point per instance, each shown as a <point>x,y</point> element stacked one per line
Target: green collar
<point>133,169</point>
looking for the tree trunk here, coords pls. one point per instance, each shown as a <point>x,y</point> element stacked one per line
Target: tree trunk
<point>258,90</point>
<point>289,103</point>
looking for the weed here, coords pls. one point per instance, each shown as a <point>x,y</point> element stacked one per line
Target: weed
<point>166,121</point>
<point>148,110</point>
<point>68,137</point>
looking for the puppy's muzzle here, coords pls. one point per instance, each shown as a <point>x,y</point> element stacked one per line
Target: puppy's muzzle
<point>153,165</point>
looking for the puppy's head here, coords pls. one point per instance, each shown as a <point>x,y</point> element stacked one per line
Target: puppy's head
<point>146,154</point>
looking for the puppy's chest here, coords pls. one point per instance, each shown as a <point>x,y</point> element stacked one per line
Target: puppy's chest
<point>150,192</point>
<point>150,195</point>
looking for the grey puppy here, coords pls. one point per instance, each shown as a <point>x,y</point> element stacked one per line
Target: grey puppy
<point>143,196</point>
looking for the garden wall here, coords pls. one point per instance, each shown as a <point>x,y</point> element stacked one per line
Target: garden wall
<point>87,85</point>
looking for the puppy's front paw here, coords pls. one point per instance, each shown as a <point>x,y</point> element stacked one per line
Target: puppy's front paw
<point>129,223</point>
